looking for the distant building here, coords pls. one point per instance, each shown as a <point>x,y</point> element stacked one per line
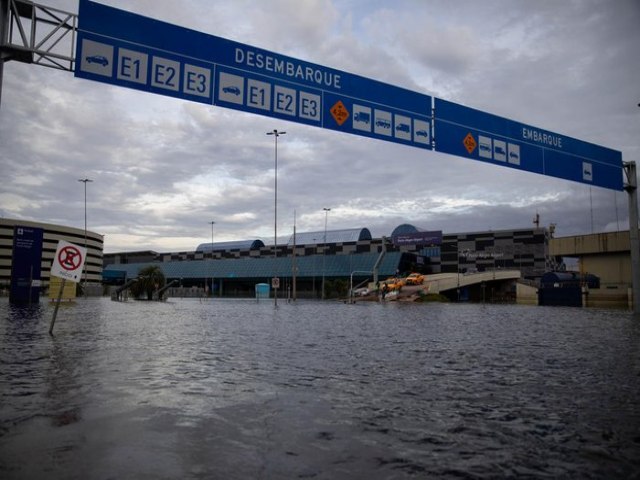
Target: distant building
<point>347,255</point>
<point>233,268</point>
<point>52,234</point>
<point>526,250</point>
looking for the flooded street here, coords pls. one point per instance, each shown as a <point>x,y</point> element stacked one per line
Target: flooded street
<point>235,389</point>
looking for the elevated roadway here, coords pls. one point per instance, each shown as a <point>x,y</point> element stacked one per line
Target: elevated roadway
<point>442,282</point>
<point>498,285</point>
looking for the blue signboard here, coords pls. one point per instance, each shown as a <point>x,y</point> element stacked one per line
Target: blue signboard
<point>477,135</point>
<point>26,265</point>
<point>129,50</point>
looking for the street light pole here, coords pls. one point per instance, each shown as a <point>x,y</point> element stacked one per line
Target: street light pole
<point>294,267</point>
<point>85,181</point>
<point>315,269</point>
<point>458,269</point>
<point>212,224</point>
<point>275,134</point>
<point>324,247</point>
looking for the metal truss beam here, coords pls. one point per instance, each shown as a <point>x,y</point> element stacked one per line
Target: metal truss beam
<point>38,34</point>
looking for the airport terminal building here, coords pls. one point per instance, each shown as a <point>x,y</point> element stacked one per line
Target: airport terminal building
<point>350,256</point>
<point>337,258</point>
<point>347,255</point>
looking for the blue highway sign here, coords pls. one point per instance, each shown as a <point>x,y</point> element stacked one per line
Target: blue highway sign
<point>129,50</point>
<point>473,134</point>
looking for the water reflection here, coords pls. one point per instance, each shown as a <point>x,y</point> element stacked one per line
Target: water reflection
<point>20,317</point>
<point>235,389</point>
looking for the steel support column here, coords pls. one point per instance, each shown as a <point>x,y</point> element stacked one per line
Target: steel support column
<point>4,35</point>
<point>634,243</point>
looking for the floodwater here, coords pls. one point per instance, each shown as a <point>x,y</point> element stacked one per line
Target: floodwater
<point>235,389</point>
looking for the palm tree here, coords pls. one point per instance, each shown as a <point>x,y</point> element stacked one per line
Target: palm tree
<point>150,279</point>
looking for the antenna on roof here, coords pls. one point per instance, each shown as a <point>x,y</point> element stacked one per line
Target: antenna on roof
<point>536,220</point>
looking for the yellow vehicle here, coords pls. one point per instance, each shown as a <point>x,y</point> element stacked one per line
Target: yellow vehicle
<point>393,283</point>
<point>415,279</point>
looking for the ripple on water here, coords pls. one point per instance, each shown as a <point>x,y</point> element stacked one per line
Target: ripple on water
<point>236,389</point>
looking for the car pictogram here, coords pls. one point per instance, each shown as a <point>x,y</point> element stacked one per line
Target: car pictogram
<point>100,59</point>
<point>233,90</point>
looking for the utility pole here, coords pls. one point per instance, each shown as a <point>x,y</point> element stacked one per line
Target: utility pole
<point>294,273</point>
<point>212,282</point>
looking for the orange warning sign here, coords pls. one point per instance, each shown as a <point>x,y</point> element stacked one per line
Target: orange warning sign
<point>470,143</point>
<point>339,112</point>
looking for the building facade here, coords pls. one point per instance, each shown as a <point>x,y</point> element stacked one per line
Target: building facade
<point>51,235</point>
<point>526,250</point>
<point>341,255</point>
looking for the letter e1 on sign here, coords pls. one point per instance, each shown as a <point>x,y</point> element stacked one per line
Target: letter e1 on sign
<point>68,261</point>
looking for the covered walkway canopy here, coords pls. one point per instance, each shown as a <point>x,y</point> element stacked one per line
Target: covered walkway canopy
<point>234,245</point>
<point>332,236</point>
<point>267,267</point>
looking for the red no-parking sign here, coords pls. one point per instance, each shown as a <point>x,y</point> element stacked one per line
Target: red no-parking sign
<point>68,261</point>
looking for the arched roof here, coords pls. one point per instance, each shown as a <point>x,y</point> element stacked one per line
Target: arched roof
<point>333,236</point>
<point>405,229</point>
<point>235,245</point>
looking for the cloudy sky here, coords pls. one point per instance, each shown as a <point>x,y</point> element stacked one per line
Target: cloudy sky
<point>164,168</point>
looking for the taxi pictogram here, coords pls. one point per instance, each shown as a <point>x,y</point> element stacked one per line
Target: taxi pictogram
<point>469,143</point>
<point>339,112</point>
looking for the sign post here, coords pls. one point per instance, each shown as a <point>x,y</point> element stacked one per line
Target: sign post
<point>55,310</point>
<point>67,264</point>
